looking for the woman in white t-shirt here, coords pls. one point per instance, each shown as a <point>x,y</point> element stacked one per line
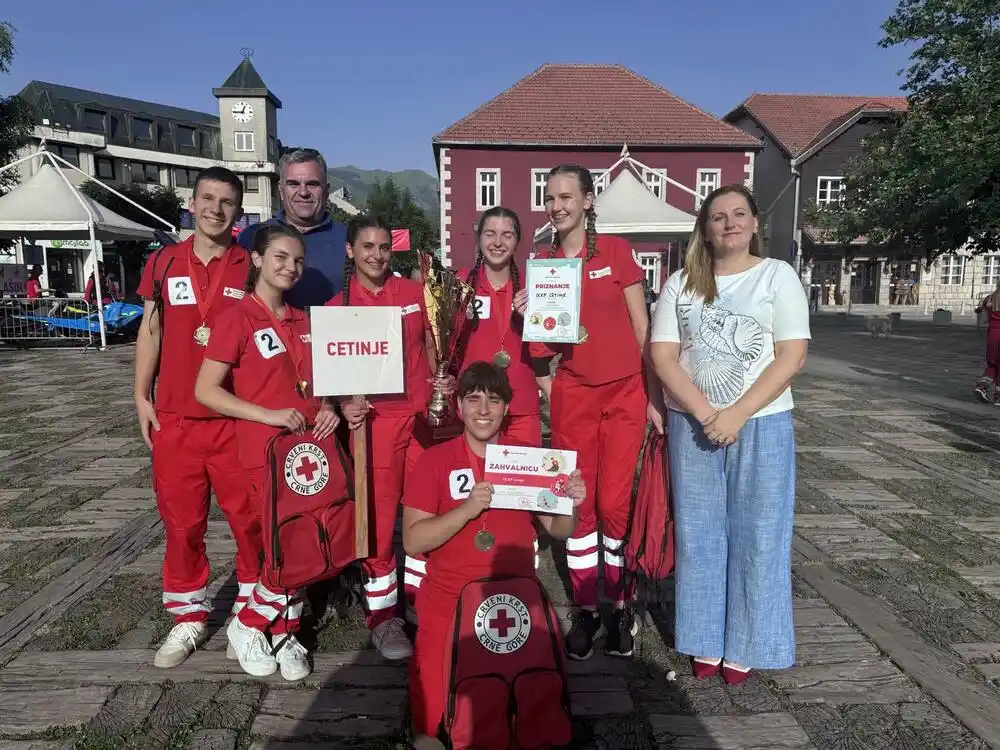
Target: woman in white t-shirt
<point>730,333</point>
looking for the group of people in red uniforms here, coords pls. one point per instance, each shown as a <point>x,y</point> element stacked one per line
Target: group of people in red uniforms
<point>231,365</point>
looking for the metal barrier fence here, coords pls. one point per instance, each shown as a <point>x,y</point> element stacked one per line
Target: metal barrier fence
<point>48,321</point>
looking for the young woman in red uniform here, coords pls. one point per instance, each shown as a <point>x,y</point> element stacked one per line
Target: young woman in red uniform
<point>500,304</point>
<point>262,347</point>
<point>599,401</point>
<point>445,515</point>
<point>392,447</point>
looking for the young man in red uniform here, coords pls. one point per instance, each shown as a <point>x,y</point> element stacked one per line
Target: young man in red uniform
<point>599,402</point>
<point>446,516</point>
<point>392,446</point>
<point>263,346</point>
<point>186,286</point>
<point>500,303</point>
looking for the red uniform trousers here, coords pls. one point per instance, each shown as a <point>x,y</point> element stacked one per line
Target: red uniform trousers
<point>523,430</point>
<point>191,459</point>
<point>427,688</point>
<point>269,606</point>
<point>392,451</point>
<point>605,425</point>
<point>992,351</point>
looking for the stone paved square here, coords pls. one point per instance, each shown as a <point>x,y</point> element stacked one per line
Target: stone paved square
<point>896,581</point>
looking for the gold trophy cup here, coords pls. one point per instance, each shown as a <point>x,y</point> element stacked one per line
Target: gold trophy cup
<point>447,299</point>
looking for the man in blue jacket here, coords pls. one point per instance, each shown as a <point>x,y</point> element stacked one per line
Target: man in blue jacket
<point>304,193</point>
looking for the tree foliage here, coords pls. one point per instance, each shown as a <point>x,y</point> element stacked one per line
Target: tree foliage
<point>15,114</point>
<point>929,182</point>
<point>159,199</point>
<point>398,208</point>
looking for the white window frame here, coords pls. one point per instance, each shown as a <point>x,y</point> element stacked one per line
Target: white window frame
<point>700,184</point>
<point>991,270</point>
<point>657,187</point>
<point>599,187</point>
<point>651,264</point>
<point>247,141</point>
<point>538,179</point>
<point>481,183</point>
<point>825,197</point>
<point>951,270</point>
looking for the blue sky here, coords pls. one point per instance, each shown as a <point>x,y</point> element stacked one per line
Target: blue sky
<point>369,83</point>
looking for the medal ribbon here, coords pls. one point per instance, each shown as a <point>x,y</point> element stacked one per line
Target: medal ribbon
<point>503,322</point>
<point>293,344</point>
<point>477,475</point>
<point>214,284</point>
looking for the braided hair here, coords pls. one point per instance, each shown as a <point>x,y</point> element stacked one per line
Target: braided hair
<point>262,239</point>
<point>354,228</point>
<point>586,180</point>
<point>502,213</point>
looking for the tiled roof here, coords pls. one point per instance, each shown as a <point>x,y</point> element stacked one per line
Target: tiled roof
<point>246,81</point>
<point>796,121</point>
<point>55,101</point>
<point>591,105</point>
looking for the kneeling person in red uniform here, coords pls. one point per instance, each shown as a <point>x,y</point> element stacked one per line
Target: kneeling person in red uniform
<point>263,346</point>
<point>447,515</point>
<point>186,286</point>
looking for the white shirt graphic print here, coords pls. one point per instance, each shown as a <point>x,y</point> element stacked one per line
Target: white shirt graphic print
<point>726,345</point>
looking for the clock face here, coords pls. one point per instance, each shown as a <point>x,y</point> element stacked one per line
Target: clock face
<point>242,112</point>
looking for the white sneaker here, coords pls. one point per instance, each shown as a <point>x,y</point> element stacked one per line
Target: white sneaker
<point>390,640</point>
<point>252,649</point>
<point>181,642</point>
<point>293,658</point>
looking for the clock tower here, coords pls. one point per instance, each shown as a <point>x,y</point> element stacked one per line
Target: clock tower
<point>248,128</point>
<point>248,116</point>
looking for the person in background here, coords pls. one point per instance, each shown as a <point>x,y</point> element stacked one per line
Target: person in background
<point>600,401</point>
<point>195,450</point>
<point>991,305</point>
<point>33,288</point>
<point>305,193</point>
<point>108,293</point>
<point>730,333</point>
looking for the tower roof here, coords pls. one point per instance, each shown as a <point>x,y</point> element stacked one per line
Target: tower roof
<point>246,81</point>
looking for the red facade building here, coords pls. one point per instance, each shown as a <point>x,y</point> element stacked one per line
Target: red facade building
<point>588,114</point>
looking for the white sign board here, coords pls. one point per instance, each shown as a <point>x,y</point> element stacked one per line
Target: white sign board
<point>357,351</point>
<point>13,280</point>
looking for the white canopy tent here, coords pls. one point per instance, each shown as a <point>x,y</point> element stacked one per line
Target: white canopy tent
<point>48,206</point>
<point>627,207</point>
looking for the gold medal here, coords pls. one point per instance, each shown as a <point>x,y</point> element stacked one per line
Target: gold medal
<point>501,359</point>
<point>201,334</point>
<point>303,388</point>
<point>583,335</point>
<point>484,541</point>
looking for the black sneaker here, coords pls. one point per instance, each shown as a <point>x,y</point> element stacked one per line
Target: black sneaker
<point>621,633</point>
<point>580,639</point>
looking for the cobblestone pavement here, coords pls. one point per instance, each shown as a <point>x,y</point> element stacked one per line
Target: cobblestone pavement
<point>897,582</point>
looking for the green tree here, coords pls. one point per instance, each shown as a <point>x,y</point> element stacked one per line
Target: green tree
<point>929,182</point>
<point>15,114</point>
<point>399,209</point>
<point>159,199</point>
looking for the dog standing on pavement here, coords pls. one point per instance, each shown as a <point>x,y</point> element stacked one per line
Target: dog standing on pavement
<point>878,326</point>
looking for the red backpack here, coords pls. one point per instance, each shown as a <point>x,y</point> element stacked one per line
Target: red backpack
<point>506,684</point>
<point>308,524</point>
<point>649,540</point>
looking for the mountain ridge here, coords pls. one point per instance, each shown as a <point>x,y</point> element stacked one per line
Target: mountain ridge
<point>359,182</point>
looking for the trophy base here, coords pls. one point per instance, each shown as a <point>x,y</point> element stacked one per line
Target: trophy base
<point>428,435</point>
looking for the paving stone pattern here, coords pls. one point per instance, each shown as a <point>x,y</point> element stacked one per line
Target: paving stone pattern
<point>898,512</point>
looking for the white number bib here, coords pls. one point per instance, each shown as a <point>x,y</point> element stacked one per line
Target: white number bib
<point>268,343</point>
<point>461,482</point>
<point>179,291</point>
